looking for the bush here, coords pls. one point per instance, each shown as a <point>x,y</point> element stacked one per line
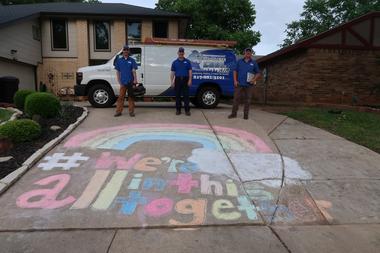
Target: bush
<point>21,130</point>
<point>19,98</point>
<point>42,103</point>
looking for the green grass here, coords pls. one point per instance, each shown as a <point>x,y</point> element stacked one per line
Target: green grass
<point>5,115</point>
<point>360,127</point>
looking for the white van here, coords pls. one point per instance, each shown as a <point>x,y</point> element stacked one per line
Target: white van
<point>212,74</point>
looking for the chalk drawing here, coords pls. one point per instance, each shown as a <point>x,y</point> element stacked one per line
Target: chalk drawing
<point>223,209</point>
<point>121,137</point>
<point>108,194</point>
<point>92,189</point>
<point>159,207</point>
<point>46,198</point>
<point>60,160</point>
<point>212,162</point>
<point>136,185</point>
<point>195,207</point>
<point>107,161</point>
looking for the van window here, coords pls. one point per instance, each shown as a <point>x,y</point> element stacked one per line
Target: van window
<point>135,53</point>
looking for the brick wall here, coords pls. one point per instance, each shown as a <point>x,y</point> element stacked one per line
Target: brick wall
<point>82,43</point>
<point>57,73</point>
<point>323,76</point>
<point>146,29</point>
<point>119,35</point>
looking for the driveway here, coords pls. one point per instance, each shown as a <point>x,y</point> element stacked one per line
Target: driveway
<point>269,184</point>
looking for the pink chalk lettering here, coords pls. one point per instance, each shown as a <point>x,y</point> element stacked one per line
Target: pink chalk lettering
<point>107,161</point>
<point>158,207</point>
<point>184,183</point>
<point>48,197</point>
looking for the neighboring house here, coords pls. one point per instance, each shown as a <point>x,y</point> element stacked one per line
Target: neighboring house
<point>48,42</point>
<point>340,66</point>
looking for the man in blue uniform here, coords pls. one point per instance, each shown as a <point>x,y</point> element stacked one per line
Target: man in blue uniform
<point>246,74</point>
<point>181,78</point>
<point>126,76</point>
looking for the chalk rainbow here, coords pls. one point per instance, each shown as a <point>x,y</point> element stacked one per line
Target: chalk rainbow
<point>122,137</point>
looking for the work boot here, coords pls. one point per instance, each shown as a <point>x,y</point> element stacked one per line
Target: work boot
<point>118,114</point>
<point>232,116</point>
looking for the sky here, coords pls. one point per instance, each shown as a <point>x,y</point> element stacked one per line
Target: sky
<point>271,19</point>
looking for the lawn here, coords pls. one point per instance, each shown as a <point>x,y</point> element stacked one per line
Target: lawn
<point>5,115</point>
<point>360,127</point>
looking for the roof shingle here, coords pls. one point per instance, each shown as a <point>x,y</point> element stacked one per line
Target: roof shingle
<point>13,13</point>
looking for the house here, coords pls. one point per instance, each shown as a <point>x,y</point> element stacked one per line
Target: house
<point>340,66</point>
<point>47,43</point>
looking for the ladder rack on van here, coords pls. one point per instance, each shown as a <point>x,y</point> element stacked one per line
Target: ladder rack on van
<point>213,43</point>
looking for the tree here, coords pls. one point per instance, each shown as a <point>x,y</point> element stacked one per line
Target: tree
<point>9,2</point>
<point>217,19</point>
<point>321,15</point>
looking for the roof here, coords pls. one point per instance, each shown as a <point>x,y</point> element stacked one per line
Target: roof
<point>14,13</point>
<point>216,43</point>
<point>307,43</point>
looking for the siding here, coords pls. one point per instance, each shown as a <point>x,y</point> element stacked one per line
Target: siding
<point>47,43</point>
<point>20,37</point>
<point>173,29</point>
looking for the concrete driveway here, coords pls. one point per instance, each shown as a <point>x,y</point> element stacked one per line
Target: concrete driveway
<point>165,183</point>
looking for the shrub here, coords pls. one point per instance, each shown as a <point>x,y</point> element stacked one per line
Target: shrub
<point>19,98</point>
<point>21,130</point>
<point>42,103</point>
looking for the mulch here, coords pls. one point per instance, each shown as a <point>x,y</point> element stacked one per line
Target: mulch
<point>22,151</point>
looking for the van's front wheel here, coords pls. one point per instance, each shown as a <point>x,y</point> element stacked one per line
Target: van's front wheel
<point>208,97</point>
<point>101,96</point>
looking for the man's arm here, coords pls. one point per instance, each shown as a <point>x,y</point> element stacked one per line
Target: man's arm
<point>134,76</point>
<point>190,77</point>
<point>257,73</point>
<point>172,78</point>
<point>236,83</point>
<point>118,77</point>
<point>257,77</point>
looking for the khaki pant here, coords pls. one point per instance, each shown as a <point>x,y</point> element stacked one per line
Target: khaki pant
<point>244,93</point>
<point>121,98</point>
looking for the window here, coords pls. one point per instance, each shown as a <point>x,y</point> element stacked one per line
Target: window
<point>160,29</point>
<point>134,31</point>
<point>136,54</point>
<point>102,36</point>
<point>59,34</point>
<point>36,32</point>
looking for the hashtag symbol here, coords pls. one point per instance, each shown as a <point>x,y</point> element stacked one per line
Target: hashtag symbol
<point>59,160</point>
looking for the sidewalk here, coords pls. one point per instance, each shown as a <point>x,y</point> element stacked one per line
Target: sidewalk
<point>165,183</point>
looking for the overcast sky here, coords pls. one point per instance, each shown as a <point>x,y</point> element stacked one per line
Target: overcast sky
<point>271,19</point>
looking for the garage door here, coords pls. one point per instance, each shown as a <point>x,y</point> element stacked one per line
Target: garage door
<point>23,72</point>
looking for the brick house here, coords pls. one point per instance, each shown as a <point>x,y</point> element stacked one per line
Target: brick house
<point>340,66</point>
<point>48,42</point>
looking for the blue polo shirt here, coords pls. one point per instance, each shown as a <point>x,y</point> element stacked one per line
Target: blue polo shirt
<point>181,68</point>
<point>125,67</point>
<point>243,68</point>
